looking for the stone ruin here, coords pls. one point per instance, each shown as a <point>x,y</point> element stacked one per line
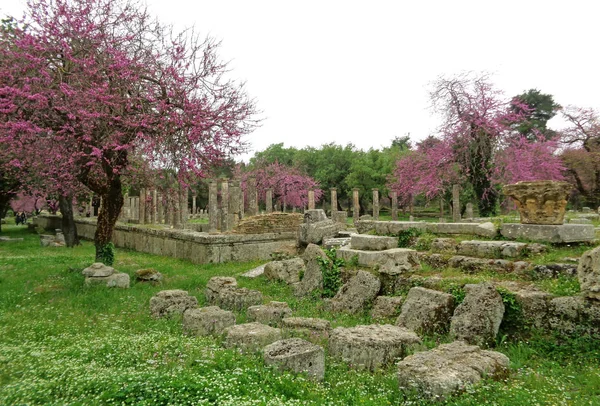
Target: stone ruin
<point>542,205</point>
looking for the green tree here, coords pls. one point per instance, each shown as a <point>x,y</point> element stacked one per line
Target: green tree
<point>541,108</point>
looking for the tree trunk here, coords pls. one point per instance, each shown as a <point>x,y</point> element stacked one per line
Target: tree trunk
<point>69,229</point>
<point>112,202</point>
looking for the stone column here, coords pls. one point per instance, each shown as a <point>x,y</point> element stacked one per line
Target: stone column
<point>142,216</point>
<point>311,199</point>
<point>394,197</point>
<point>252,198</point>
<point>184,209</point>
<point>168,209</point>
<point>177,209</point>
<point>135,208</point>
<point>334,205</point>
<point>225,220</point>
<point>269,200</point>
<point>124,215</point>
<point>355,205</point>
<point>213,206</point>
<point>375,204</point>
<point>456,203</point>
<point>194,202</point>
<point>234,203</point>
<point>154,218</point>
<point>469,211</point>
<point>159,208</point>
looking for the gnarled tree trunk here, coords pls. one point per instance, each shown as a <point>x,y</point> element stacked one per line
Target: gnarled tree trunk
<point>69,229</point>
<point>110,208</point>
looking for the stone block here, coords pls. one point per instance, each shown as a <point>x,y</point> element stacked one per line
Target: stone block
<point>371,346</point>
<point>312,329</point>
<point>313,276</point>
<point>148,275</point>
<point>492,249</point>
<point>386,307</point>
<point>477,319</point>
<point>426,311</point>
<point>588,272</point>
<point>474,265</point>
<point>287,271</point>
<point>444,245</point>
<point>206,321</point>
<point>372,242</point>
<point>450,368</point>
<point>250,337</point>
<point>564,233</point>
<point>314,216</point>
<point>356,294</point>
<point>296,355</point>
<point>237,299</point>
<point>574,315</point>
<point>272,313</point>
<point>97,270</point>
<point>314,233</point>
<point>337,242</point>
<point>168,302</point>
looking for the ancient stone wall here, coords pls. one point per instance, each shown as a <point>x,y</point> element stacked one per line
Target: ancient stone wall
<point>197,247</point>
<point>270,223</point>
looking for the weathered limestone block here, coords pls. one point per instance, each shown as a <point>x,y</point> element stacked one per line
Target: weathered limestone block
<point>554,270</point>
<point>540,202</point>
<point>296,355</point>
<point>216,285</point>
<point>97,270</point>
<point>238,299</point>
<point>168,302</point>
<point>434,260</point>
<point>426,311</point>
<point>339,217</point>
<point>313,276</point>
<point>367,242</point>
<point>386,306</point>
<point>444,245</point>
<point>492,249</point>
<point>100,274</point>
<point>116,280</point>
<point>371,346</point>
<point>271,314</point>
<point>477,319</point>
<point>564,233</point>
<point>148,275</point>
<point>251,337</point>
<point>312,329</point>
<point>471,264</point>
<point>287,271</point>
<point>314,233</point>
<point>337,242</point>
<point>356,294</point>
<point>205,321</point>
<point>449,368</point>
<point>534,303</point>
<point>588,273</point>
<point>574,314</point>
<point>314,216</point>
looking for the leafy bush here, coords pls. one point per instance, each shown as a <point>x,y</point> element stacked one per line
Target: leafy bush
<point>106,254</point>
<point>407,237</point>
<point>330,267</point>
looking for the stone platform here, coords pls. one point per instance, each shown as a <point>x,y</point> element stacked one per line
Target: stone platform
<point>564,233</point>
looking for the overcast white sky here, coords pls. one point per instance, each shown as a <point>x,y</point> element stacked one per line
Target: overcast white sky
<point>358,72</point>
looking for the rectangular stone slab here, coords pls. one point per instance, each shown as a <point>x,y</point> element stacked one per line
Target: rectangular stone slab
<point>563,233</point>
<point>373,242</point>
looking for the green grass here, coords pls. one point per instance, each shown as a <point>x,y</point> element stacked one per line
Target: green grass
<point>63,344</point>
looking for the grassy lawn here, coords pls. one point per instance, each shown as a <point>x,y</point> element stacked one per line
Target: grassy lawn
<point>64,344</point>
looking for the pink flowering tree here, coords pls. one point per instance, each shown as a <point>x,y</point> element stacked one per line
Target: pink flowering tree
<point>526,160</point>
<point>581,155</point>
<point>428,170</point>
<point>477,145</point>
<point>102,81</point>
<point>290,186</point>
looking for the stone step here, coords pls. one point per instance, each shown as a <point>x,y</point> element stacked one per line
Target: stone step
<point>404,258</point>
<point>372,242</point>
